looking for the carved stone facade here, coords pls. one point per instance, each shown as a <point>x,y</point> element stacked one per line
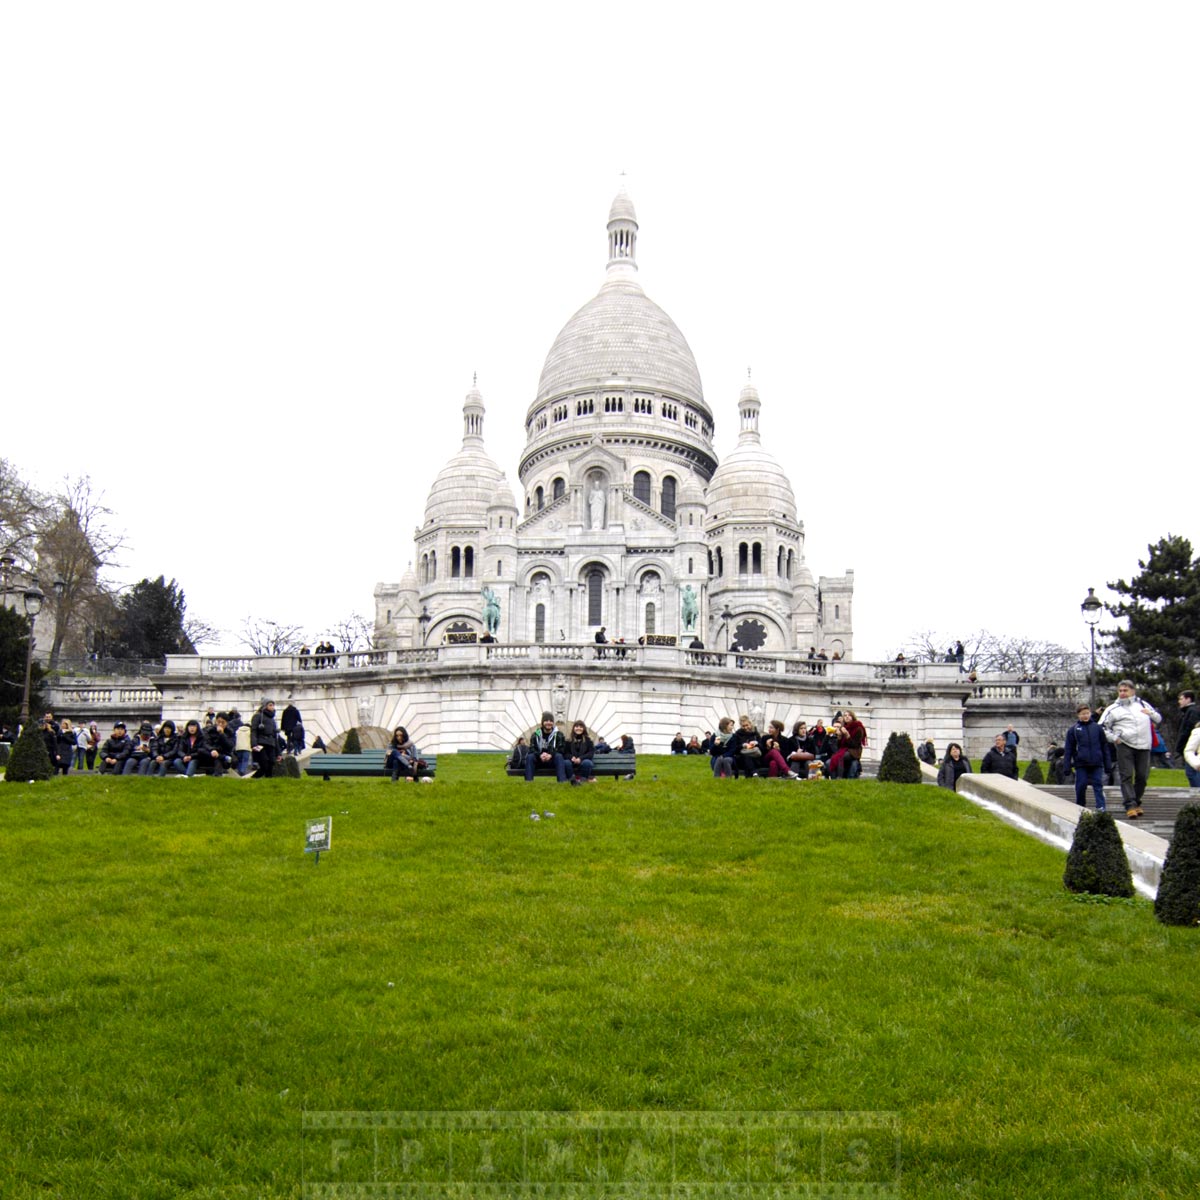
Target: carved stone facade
<point>623,506</point>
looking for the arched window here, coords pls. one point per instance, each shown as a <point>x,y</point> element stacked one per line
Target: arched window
<point>539,623</point>
<point>455,562</point>
<point>743,558</point>
<point>756,567</point>
<point>789,564</point>
<point>539,498</point>
<point>690,565</point>
<point>710,562</point>
<point>720,561</point>
<point>779,563</point>
<point>668,496</point>
<point>499,566</point>
<point>469,562</point>
<point>432,565</point>
<point>424,568</point>
<point>559,488</point>
<point>595,596</point>
<point>650,614</point>
<point>641,486</point>
<point>837,612</point>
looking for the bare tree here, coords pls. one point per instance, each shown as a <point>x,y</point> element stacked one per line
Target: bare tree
<point>269,638</point>
<point>198,632</point>
<point>75,544</point>
<point>985,651</point>
<point>20,507</point>
<point>352,630</point>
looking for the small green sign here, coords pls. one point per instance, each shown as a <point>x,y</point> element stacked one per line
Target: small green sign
<point>318,834</point>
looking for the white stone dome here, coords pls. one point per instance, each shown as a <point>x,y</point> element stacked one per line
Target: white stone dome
<point>470,482</point>
<point>750,482</point>
<point>621,335</point>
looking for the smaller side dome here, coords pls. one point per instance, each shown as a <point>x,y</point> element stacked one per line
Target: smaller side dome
<point>750,482</point>
<point>468,484</point>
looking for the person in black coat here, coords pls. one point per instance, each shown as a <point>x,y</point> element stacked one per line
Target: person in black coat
<point>219,744</point>
<point>1001,759</point>
<point>166,749</point>
<point>264,739</point>
<point>115,750</point>
<point>954,767</point>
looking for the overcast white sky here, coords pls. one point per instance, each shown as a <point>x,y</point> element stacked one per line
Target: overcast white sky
<point>252,253</point>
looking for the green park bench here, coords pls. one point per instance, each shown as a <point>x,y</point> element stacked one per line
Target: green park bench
<point>369,762</point>
<point>617,764</point>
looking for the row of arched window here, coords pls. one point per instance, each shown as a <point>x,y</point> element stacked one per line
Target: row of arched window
<point>616,404</point>
<point>750,560</point>
<point>462,564</point>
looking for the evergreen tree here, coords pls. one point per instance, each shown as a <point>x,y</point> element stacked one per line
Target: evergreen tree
<point>1178,899</point>
<point>29,761</point>
<point>149,622</point>
<point>899,763</point>
<point>1096,863</point>
<point>14,650</point>
<point>352,745</point>
<point>289,767</point>
<point>1033,772</point>
<point>1158,648</point>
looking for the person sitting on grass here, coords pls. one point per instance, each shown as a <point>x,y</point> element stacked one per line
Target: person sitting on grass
<point>804,749</point>
<point>190,754</point>
<point>626,746</point>
<point>115,750</point>
<point>678,745</point>
<point>846,762</point>
<point>745,748</point>
<point>953,767</point>
<point>722,763</point>
<point>165,749</point>
<point>547,748</point>
<point>402,756</point>
<point>141,755</point>
<point>579,754</point>
<point>693,746</point>
<point>221,744</point>
<point>776,746</point>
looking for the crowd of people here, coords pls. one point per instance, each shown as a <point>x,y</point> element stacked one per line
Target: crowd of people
<point>219,744</point>
<point>1114,747</point>
<point>739,750</point>
<point>571,758</point>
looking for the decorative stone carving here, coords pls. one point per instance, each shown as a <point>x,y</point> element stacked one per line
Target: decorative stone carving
<point>366,711</point>
<point>596,506</point>
<point>691,608</point>
<point>561,695</point>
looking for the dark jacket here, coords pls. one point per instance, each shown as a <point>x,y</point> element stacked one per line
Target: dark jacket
<point>117,748</point>
<point>166,747</point>
<point>1187,722</point>
<point>926,754</point>
<point>222,743</point>
<point>950,772</point>
<point>547,743</point>
<point>263,730</point>
<point>739,739</point>
<point>290,718</point>
<point>678,745</point>
<point>580,748</point>
<point>999,762</point>
<point>1087,746</point>
<point>189,749</point>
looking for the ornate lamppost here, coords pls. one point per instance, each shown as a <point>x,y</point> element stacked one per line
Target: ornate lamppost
<point>7,562</point>
<point>424,618</point>
<point>34,598</point>
<point>1091,614</point>
<point>726,617</point>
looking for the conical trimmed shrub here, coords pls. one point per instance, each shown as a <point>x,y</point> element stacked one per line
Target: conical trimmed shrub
<point>1033,772</point>
<point>5,751</point>
<point>29,761</point>
<point>289,766</point>
<point>352,745</point>
<point>1178,899</point>
<point>899,763</point>
<point>1096,863</point>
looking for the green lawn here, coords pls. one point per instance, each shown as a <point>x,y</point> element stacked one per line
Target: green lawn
<point>180,985</point>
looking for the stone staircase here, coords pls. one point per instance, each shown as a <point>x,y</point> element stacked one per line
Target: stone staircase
<point>1160,805</point>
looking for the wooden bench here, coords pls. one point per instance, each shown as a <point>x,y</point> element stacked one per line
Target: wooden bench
<point>369,762</point>
<point>616,764</point>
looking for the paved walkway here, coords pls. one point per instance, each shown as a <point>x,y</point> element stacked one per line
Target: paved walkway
<point>1160,805</point>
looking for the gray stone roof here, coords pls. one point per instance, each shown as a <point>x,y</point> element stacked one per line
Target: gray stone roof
<point>620,334</point>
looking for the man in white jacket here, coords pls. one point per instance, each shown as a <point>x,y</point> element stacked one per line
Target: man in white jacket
<point>1126,723</point>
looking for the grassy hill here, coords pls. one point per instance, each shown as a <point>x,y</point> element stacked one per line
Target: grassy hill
<point>184,993</point>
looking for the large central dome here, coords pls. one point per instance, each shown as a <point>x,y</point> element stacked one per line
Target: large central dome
<point>621,335</point>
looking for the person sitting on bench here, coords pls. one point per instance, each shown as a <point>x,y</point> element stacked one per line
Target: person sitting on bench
<point>547,750</point>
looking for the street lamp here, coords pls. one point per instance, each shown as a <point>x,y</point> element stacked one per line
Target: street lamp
<point>7,562</point>
<point>1091,614</point>
<point>424,618</point>
<point>726,617</point>
<point>34,596</point>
